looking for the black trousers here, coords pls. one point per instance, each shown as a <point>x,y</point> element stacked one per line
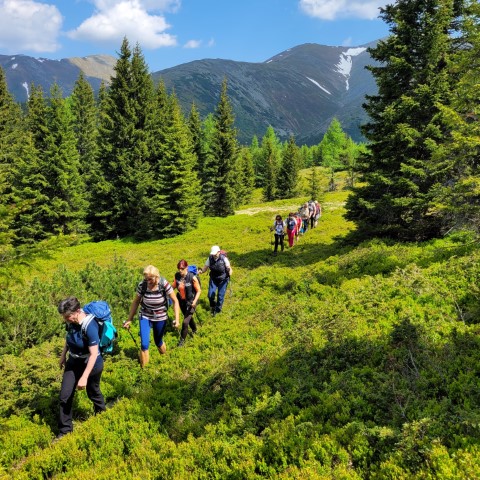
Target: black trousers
<point>187,318</point>
<point>74,369</point>
<point>278,240</point>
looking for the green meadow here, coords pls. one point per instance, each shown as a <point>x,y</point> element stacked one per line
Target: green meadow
<point>332,360</point>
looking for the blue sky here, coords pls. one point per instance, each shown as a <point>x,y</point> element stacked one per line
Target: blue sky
<point>172,32</point>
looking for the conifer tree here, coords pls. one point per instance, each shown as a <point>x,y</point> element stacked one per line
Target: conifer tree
<point>405,129</point>
<point>197,136</point>
<point>258,166</point>
<point>270,153</point>
<point>288,175</point>
<point>37,117</point>
<point>67,207</point>
<point>123,154</point>
<point>246,176</point>
<point>179,200</point>
<point>224,149</point>
<point>332,151</point>
<point>208,167</point>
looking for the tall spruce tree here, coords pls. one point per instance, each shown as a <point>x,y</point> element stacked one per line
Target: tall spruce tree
<point>245,175</point>
<point>456,199</point>
<point>208,167</point>
<point>288,174</point>
<point>413,80</point>
<point>225,151</point>
<point>65,189</point>
<point>270,155</point>
<point>179,200</point>
<point>123,154</point>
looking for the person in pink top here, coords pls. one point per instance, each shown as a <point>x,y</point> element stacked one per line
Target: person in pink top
<point>291,229</point>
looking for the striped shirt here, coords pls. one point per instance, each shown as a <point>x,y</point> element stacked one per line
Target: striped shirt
<point>154,304</point>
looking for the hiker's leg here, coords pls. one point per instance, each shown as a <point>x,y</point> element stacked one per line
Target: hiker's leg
<point>276,243</point>
<point>222,288</point>
<point>93,386</point>
<point>71,375</point>
<point>158,333</point>
<point>212,291</point>
<point>282,245</point>
<point>145,326</point>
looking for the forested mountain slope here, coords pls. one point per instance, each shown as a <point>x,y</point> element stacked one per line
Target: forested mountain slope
<point>329,361</point>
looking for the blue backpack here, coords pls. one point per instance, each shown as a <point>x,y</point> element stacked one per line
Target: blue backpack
<point>103,316</point>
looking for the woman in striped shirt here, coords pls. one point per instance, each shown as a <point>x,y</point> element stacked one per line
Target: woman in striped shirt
<point>152,295</point>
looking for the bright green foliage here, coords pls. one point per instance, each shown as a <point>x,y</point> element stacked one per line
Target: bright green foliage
<point>257,161</point>
<point>332,151</point>
<point>224,149</point>
<point>329,361</point>
<point>208,166</point>
<point>314,184</point>
<point>66,210</point>
<point>123,147</point>
<point>414,80</point>
<point>85,126</point>
<point>270,162</point>
<point>178,197</point>
<point>245,175</point>
<point>287,180</point>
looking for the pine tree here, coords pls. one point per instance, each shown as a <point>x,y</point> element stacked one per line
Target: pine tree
<point>413,81</point>
<point>208,168</point>
<point>179,200</point>
<point>332,151</point>
<point>225,151</point>
<point>246,176</point>
<point>313,184</point>
<point>123,154</point>
<point>65,189</point>
<point>270,153</point>
<point>288,175</point>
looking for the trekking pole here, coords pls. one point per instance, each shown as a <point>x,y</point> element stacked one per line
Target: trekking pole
<point>133,338</point>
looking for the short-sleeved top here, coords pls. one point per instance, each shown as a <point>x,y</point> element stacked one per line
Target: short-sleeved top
<point>78,343</point>
<point>154,304</point>
<point>279,227</point>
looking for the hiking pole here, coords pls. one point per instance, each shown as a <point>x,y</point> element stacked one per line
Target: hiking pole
<point>133,338</point>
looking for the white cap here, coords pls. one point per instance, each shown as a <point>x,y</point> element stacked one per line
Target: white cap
<point>215,249</point>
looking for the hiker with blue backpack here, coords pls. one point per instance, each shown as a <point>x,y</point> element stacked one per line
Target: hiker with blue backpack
<point>220,273</point>
<point>152,295</point>
<point>291,228</point>
<point>188,286</point>
<point>84,366</point>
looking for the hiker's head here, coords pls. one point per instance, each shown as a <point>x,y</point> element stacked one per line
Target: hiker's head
<point>151,275</point>
<point>215,251</point>
<point>69,308</point>
<point>182,267</point>
<point>278,218</point>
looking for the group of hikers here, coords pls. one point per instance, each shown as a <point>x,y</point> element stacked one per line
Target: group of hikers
<point>84,365</point>
<point>296,224</point>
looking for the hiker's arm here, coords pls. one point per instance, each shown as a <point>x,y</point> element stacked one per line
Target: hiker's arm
<point>204,269</point>
<point>63,355</point>
<point>176,309</point>
<point>133,310</point>
<point>93,350</point>
<point>198,291</point>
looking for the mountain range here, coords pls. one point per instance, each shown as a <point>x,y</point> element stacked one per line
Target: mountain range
<point>298,92</point>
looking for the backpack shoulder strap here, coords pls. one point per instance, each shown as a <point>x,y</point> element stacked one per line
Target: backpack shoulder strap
<point>86,323</point>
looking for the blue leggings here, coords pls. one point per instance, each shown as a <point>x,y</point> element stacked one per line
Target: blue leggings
<point>146,325</point>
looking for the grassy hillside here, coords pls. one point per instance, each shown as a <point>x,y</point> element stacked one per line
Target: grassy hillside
<point>329,361</point>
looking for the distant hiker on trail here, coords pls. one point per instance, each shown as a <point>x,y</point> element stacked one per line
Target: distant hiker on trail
<point>299,226</point>
<point>291,228</point>
<point>188,294</point>
<point>220,272</point>
<point>279,229</point>
<point>305,216</point>
<point>152,295</point>
<point>311,212</point>
<point>84,366</point>
<point>318,212</point>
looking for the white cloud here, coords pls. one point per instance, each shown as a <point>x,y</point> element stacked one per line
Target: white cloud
<point>193,44</point>
<point>115,19</point>
<point>333,9</point>
<point>29,25</point>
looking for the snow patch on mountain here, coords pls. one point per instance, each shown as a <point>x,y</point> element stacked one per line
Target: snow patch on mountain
<point>25,86</point>
<point>318,85</point>
<point>344,66</point>
<point>14,66</point>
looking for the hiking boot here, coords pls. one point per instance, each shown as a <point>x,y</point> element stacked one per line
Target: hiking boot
<point>181,342</point>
